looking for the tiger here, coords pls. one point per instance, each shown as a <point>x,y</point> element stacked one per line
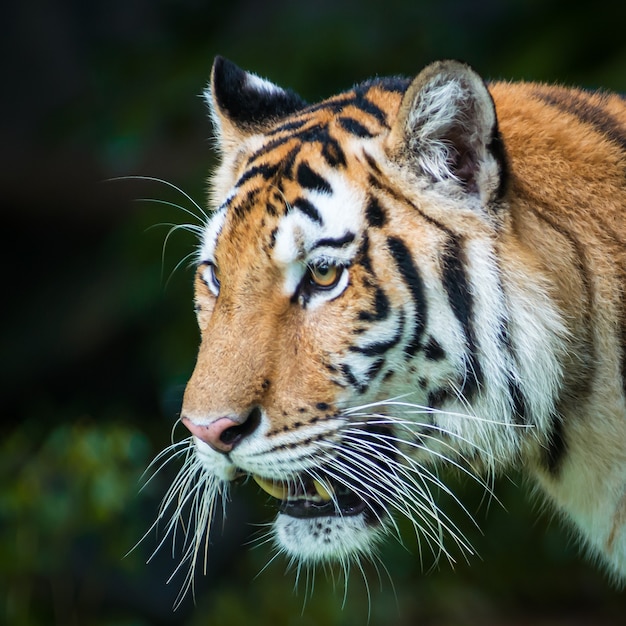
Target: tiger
<point>411,275</point>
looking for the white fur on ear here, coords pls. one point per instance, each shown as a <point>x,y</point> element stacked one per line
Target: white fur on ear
<point>447,127</point>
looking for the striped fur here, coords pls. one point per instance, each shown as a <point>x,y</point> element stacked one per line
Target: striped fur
<point>407,275</point>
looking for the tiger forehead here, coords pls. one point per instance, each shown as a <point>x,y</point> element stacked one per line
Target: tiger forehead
<point>364,113</point>
<point>306,177</point>
<point>303,206</point>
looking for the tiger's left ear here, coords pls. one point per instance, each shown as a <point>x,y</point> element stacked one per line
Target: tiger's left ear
<point>447,127</point>
<point>242,104</point>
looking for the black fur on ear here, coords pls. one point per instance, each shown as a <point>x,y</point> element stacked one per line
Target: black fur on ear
<point>247,101</point>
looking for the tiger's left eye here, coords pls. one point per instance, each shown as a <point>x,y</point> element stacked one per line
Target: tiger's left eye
<point>325,275</point>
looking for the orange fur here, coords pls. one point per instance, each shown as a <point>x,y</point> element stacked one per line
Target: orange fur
<point>557,235</point>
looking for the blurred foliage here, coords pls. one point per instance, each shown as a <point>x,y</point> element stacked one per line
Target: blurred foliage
<point>69,491</point>
<point>98,335</point>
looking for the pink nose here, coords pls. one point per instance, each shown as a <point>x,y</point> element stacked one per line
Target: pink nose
<point>215,434</point>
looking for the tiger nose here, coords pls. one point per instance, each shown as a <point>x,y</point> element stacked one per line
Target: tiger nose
<point>225,432</point>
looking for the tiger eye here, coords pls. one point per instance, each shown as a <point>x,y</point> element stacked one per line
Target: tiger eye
<point>325,275</point>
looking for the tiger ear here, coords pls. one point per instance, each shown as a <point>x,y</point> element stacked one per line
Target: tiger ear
<point>242,104</point>
<point>447,127</point>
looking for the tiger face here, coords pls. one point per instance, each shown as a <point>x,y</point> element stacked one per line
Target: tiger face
<point>374,300</point>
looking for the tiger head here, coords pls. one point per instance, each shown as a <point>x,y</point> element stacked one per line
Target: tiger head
<point>362,316</point>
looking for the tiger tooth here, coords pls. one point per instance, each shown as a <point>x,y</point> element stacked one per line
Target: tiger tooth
<point>276,489</point>
<point>325,492</point>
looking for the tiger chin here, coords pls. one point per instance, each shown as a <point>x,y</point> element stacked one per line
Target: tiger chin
<point>409,275</point>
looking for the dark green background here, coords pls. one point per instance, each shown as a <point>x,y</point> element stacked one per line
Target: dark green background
<point>98,335</point>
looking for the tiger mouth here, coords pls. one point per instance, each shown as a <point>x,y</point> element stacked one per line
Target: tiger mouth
<point>309,497</point>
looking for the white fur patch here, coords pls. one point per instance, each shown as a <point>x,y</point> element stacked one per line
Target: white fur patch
<point>298,238</point>
<point>255,82</point>
<point>322,539</point>
<point>209,236</point>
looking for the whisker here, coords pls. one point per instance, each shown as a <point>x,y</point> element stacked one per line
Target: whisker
<point>177,266</point>
<point>171,449</point>
<point>439,455</point>
<point>166,183</point>
<point>418,409</point>
<point>411,508</point>
<point>417,471</point>
<point>175,205</point>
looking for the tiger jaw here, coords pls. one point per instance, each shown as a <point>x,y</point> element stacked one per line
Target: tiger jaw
<point>320,518</point>
<point>322,521</point>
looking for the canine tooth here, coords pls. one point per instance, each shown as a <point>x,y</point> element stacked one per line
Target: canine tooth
<point>276,489</point>
<point>325,492</point>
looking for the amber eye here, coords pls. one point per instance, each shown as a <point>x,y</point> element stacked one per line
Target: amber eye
<point>324,275</point>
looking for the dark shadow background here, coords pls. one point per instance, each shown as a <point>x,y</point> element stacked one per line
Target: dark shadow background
<point>98,334</point>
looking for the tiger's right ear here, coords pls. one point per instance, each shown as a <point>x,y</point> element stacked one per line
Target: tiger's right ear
<point>243,104</point>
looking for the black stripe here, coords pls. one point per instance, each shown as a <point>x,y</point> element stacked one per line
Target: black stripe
<point>272,241</point>
<point>245,204</point>
<point>455,283</point>
<point>433,350</point>
<point>351,378</point>
<point>374,369</point>
<point>437,397</point>
<point>369,107</point>
<point>375,181</point>
<point>316,133</point>
<point>413,280</point>
<point>288,126</point>
<point>332,152</point>
<point>303,205</point>
<point>363,255</point>
<point>332,242</point>
<point>381,308</point>
<point>375,214</point>
<point>357,98</point>
<point>578,104</point>
<point>309,134</point>
<point>371,161</point>
<point>308,179</point>
<point>380,347</point>
<point>397,84</point>
<point>335,104</point>
<point>557,446</point>
<point>519,402</point>
<point>265,170</point>
<point>498,150</point>
<point>354,127</point>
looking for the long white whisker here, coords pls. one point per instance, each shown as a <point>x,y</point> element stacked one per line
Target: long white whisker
<point>410,508</point>
<point>417,471</point>
<point>386,495</point>
<point>185,258</point>
<point>172,453</point>
<point>175,205</point>
<point>430,451</point>
<point>418,409</point>
<point>163,182</point>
